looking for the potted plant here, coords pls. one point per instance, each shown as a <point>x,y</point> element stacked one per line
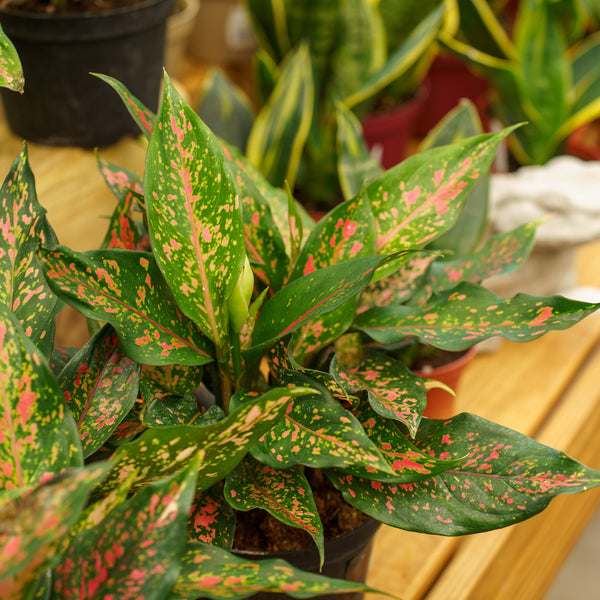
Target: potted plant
<point>217,297</point>
<point>311,61</point>
<point>60,43</point>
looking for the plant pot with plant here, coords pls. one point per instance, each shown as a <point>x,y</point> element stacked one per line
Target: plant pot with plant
<point>60,43</point>
<point>239,352</point>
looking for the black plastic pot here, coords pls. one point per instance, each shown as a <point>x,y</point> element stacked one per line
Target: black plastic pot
<point>62,103</point>
<point>346,557</point>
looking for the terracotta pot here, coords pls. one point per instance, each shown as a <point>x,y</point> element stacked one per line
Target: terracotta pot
<point>440,403</point>
<point>180,26</point>
<point>449,80</point>
<point>388,134</point>
<point>62,103</point>
<point>346,557</point>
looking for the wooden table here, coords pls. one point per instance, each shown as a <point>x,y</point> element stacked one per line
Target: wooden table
<point>548,389</point>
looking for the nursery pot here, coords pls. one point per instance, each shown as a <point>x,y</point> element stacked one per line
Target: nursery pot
<point>441,403</point>
<point>388,134</point>
<point>346,557</point>
<point>63,104</point>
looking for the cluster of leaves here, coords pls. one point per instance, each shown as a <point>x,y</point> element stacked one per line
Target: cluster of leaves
<point>315,60</point>
<point>135,477</point>
<point>539,76</point>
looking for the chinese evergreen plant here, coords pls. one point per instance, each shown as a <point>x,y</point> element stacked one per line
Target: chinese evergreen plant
<point>237,346</point>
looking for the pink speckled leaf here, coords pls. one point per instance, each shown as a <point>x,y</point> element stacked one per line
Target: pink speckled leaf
<point>393,390</point>
<point>100,385</point>
<point>347,232</point>
<point>459,318</point>
<point>164,408</point>
<point>211,519</point>
<point>126,289</point>
<point>264,243</point>
<point>23,226</point>
<point>123,230</point>
<point>11,72</point>
<point>211,572</point>
<point>221,445</point>
<point>502,254</point>
<point>503,477</point>
<point>398,287</point>
<point>194,218</point>
<point>35,522</point>
<point>409,463</point>
<point>38,436</point>
<point>284,493</point>
<point>421,198</point>
<point>143,116</point>
<point>138,545</point>
<point>317,432</point>
<point>131,425</point>
<point>308,297</point>
<point>119,180</point>
<point>181,379</point>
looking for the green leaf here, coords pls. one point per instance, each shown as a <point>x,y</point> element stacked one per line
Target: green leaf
<point>310,296</point>
<point>193,215</point>
<point>317,432</point>
<point>457,319</point>
<point>34,523</point>
<point>393,390</point>
<point>138,545</point>
<point>284,493</point>
<point>126,289</point>
<point>281,128</point>
<point>39,437</point>
<point>503,478</point>
<point>24,226</point>
<point>100,385</point>
<point>221,445</point>
<point>11,72</point>
<point>141,115</point>
<point>211,519</point>
<point>225,109</point>
<point>165,409</point>
<point>211,572</point>
<point>179,379</point>
<point>123,231</point>
<point>421,198</point>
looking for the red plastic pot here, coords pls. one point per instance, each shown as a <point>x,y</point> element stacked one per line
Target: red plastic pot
<point>441,403</point>
<point>388,134</point>
<point>449,81</point>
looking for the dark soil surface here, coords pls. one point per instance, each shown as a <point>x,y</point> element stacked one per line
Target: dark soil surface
<point>258,530</point>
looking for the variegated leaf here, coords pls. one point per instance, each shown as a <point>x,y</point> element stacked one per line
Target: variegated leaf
<point>119,180</point>
<point>211,572</point>
<point>11,72</point>
<point>100,385</point>
<point>126,289</point>
<point>138,545</point>
<point>24,226</point>
<point>421,198</point>
<point>457,319</point>
<point>60,357</point>
<point>211,519</point>
<point>409,462</point>
<point>284,493</point>
<point>393,390</point>
<point>264,244</point>
<point>194,217</point>
<point>123,231</point>
<point>131,425</point>
<point>502,254</point>
<point>38,436</point>
<point>317,432</point>
<point>308,297</point>
<point>347,232</point>
<point>221,445</point>
<point>165,409</point>
<point>34,522</point>
<point>398,287</point>
<point>180,379</point>
<point>140,113</point>
<point>503,478</point>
